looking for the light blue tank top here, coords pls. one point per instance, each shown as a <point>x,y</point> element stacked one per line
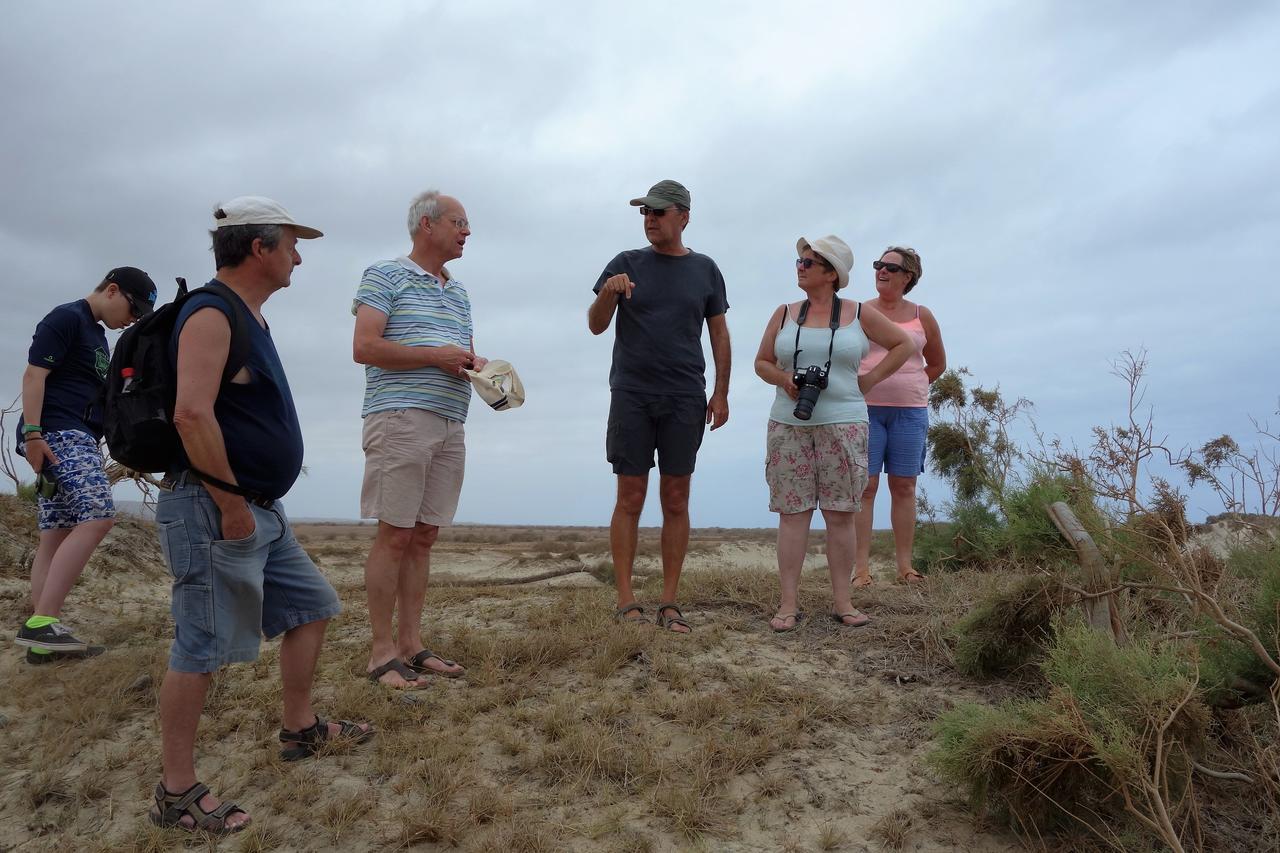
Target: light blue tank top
<point>840,402</point>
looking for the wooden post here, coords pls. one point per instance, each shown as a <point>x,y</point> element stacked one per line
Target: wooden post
<point>1101,612</point>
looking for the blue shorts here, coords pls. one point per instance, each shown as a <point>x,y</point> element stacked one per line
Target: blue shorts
<point>898,440</point>
<point>84,492</point>
<point>228,593</point>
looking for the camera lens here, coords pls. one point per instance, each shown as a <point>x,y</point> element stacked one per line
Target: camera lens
<point>805,402</point>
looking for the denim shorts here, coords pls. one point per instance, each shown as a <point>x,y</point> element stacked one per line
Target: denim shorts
<point>639,424</point>
<point>898,440</point>
<point>84,492</point>
<point>227,593</point>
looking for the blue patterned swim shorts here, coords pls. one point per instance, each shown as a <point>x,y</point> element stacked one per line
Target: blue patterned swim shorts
<point>84,493</point>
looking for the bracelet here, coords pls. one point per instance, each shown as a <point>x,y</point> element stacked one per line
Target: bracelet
<point>32,436</point>
<point>26,428</point>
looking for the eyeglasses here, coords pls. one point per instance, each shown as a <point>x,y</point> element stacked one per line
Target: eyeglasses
<point>459,223</point>
<point>133,306</point>
<point>881,265</point>
<point>656,211</point>
<point>805,263</point>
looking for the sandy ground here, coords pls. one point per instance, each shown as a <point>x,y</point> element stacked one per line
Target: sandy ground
<point>834,759</point>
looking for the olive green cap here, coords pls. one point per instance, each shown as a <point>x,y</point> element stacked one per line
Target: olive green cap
<point>664,194</point>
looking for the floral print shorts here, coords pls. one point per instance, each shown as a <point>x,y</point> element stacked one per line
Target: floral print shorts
<point>811,466</point>
<point>84,492</point>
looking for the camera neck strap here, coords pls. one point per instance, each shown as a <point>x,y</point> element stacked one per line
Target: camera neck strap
<point>835,324</point>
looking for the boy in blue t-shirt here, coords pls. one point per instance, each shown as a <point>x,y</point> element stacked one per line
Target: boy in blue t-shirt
<point>59,434</point>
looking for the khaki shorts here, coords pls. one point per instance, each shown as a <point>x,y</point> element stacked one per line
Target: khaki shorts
<point>413,466</point>
<point>810,466</point>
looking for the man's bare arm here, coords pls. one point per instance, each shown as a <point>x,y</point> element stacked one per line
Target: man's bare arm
<point>203,347</point>
<point>371,348</point>
<point>600,314</point>
<point>722,355</point>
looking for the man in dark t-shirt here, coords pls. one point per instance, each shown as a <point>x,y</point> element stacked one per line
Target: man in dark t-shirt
<point>238,571</point>
<point>59,434</point>
<point>661,294</point>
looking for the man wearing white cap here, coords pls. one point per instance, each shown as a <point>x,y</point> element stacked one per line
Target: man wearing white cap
<point>414,335</point>
<point>238,571</point>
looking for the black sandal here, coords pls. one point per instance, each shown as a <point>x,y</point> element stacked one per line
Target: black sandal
<point>418,663</point>
<point>312,739</point>
<point>171,808</point>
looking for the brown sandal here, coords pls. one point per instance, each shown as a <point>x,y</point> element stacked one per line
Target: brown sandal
<point>398,667</point>
<point>665,621</point>
<point>418,663</point>
<point>171,808</point>
<point>911,577</point>
<point>862,581</point>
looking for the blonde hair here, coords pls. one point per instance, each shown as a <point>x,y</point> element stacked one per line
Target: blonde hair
<point>910,262</point>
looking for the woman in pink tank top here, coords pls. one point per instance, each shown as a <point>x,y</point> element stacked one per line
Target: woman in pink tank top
<point>898,412</point>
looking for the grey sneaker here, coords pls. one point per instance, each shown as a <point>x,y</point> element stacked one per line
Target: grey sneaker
<point>53,638</point>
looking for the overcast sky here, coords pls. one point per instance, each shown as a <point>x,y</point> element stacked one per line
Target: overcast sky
<point>1079,179</point>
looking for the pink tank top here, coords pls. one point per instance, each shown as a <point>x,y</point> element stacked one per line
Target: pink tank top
<point>909,387</point>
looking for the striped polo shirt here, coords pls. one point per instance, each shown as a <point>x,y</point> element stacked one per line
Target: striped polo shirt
<point>422,311</point>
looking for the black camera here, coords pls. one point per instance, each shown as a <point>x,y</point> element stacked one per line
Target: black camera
<point>810,381</point>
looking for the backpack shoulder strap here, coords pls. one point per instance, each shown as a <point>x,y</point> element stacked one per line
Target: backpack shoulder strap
<point>238,354</point>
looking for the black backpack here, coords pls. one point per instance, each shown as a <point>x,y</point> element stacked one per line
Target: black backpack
<point>142,383</point>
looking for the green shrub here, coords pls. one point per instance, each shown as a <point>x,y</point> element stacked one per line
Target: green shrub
<point>1046,765</point>
<point>975,536</point>
<point>1232,673</point>
<point>1009,630</point>
<point>1032,534</point>
<point>27,493</point>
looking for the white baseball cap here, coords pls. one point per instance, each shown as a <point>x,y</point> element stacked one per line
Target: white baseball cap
<point>498,385</point>
<point>259,210</point>
<point>835,251</point>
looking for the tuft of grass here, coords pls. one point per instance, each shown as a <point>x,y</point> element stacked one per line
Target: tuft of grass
<point>892,829</point>
<point>832,837</point>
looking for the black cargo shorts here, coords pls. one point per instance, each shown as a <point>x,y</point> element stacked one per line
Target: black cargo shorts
<point>639,424</point>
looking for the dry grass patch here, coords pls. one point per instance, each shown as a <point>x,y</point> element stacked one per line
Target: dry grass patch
<point>569,732</point>
<point>893,829</point>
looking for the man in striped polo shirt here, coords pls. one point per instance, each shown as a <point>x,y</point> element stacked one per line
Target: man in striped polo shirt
<point>413,334</point>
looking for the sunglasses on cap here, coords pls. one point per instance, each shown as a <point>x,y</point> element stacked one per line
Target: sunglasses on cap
<point>656,211</point>
<point>805,263</point>
<point>881,265</point>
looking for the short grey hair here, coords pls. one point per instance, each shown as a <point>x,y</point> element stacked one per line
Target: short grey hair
<point>233,245</point>
<point>424,204</point>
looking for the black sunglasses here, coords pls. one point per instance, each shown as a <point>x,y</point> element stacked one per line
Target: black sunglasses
<point>133,306</point>
<point>881,265</point>
<point>656,211</point>
<point>805,263</point>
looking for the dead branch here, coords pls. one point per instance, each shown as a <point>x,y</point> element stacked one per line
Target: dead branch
<point>541,576</point>
<point>1221,774</point>
<point>1101,611</point>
